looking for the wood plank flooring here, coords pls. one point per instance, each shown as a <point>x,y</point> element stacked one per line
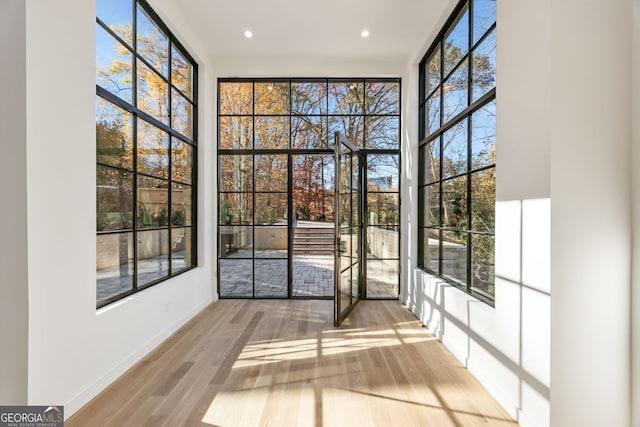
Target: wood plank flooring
<point>282,363</point>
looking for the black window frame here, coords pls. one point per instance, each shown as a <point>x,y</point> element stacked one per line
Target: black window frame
<point>291,151</point>
<point>436,135</point>
<point>138,114</point>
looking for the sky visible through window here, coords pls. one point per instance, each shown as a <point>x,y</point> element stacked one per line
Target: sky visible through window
<point>457,152</point>
<point>145,152</point>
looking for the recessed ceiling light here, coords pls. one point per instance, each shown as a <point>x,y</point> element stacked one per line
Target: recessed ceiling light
<point>364,34</point>
<point>248,34</point>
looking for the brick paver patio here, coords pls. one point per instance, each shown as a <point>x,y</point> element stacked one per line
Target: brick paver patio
<point>312,275</point>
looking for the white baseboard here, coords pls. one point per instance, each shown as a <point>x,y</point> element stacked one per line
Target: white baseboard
<point>85,396</point>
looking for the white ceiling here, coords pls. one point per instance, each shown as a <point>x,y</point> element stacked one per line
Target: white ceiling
<point>312,28</point>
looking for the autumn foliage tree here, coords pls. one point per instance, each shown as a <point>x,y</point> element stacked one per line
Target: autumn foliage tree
<point>114,127</point>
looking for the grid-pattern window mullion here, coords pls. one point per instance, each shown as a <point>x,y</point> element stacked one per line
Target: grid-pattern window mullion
<point>171,125</point>
<point>160,230</point>
<point>460,35</point>
<point>320,111</point>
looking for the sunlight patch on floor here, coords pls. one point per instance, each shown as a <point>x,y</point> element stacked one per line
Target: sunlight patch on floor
<point>263,352</point>
<point>237,408</point>
<point>273,406</point>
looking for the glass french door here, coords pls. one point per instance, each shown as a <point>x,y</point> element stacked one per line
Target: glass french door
<point>348,229</point>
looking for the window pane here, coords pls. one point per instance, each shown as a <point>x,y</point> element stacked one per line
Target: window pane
<point>345,288</point>
<point>309,132</point>
<point>312,185</point>
<point>382,279</point>
<point>484,15</point>
<point>271,173</point>
<point>346,97</point>
<point>114,196</point>
<point>431,249</point>
<point>153,255</point>
<point>181,114</point>
<point>454,203</point>
<point>345,209</point>
<point>152,43</point>
<point>271,208</point>
<point>352,127</point>
<point>382,242</point>
<point>181,252</point>
<point>236,98</point>
<point>349,245</point>
<point>431,161</point>
<point>355,209</point>
<point>454,156</point>
<point>271,242</point>
<point>454,255</point>
<point>382,97</point>
<point>272,98</point>
<point>114,65</point>
<point>484,66</point>
<point>432,112</point>
<point>383,208</point>
<point>483,200</point>
<point>483,136</point>
<point>235,242</point>
<point>456,43</point>
<point>431,205</point>
<point>153,202</point>
<point>236,208</point>
<point>383,133</point>
<point>114,264</point>
<point>433,71</point>
<point>272,132</point>
<point>181,72</point>
<point>309,97</point>
<point>383,172</point>
<point>116,14</point>
<point>181,203</point>
<point>153,150</point>
<point>153,93</point>
<point>312,274</point>
<point>181,161</point>
<point>483,264</point>
<point>456,94</point>
<point>114,140</point>
<point>345,179</point>
<point>236,173</point>
<point>236,278</point>
<point>236,132</point>
<point>271,278</point>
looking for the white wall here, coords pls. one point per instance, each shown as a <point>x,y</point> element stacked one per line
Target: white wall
<point>408,180</point>
<point>74,351</point>
<point>13,199</point>
<point>635,293</point>
<point>304,67</point>
<point>590,214</point>
<point>506,347</point>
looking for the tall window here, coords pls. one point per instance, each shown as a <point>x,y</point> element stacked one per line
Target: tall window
<point>276,172</point>
<point>457,150</point>
<point>146,133</point>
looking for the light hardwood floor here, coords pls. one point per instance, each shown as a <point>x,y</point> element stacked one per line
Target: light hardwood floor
<point>282,363</point>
